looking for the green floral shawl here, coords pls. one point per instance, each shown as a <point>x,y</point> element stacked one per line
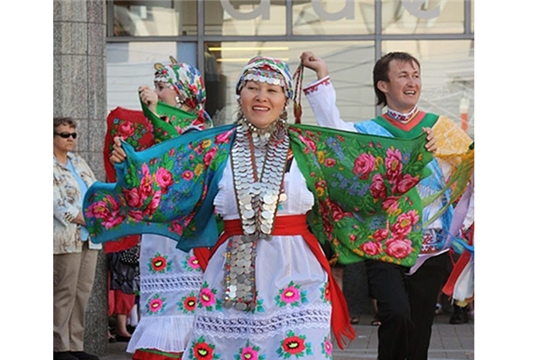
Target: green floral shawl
<point>366,205</point>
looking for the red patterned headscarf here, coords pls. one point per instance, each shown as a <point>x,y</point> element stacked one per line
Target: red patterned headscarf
<point>186,80</point>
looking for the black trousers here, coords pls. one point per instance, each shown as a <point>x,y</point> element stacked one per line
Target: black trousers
<point>406,305</point>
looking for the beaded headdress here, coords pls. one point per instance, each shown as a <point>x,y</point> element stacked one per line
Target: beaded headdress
<point>269,70</point>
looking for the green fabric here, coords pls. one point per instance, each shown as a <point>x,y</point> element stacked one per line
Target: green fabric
<point>161,353</point>
<point>179,120</point>
<point>427,121</point>
<point>366,204</point>
<point>460,177</point>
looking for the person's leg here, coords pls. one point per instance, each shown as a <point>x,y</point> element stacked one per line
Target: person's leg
<point>66,272</point>
<point>337,273</point>
<point>124,303</point>
<point>387,286</point>
<point>376,321</point>
<point>85,282</point>
<point>424,287</point>
<point>460,314</point>
<point>121,327</point>
<point>111,296</point>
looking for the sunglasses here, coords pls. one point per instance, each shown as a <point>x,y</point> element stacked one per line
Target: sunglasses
<point>65,135</point>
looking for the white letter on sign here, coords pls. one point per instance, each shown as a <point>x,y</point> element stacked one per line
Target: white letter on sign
<point>263,9</point>
<point>347,12</point>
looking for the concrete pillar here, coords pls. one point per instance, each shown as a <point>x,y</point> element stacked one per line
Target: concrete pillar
<point>80,92</point>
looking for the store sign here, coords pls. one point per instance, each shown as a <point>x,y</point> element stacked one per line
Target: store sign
<point>414,7</point>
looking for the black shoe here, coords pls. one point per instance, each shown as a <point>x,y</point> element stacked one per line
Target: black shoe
<point>81,355</point>
<point>121,338</point>
<point>460,316</point>
<point>63,355</point>
<point>130,329</point>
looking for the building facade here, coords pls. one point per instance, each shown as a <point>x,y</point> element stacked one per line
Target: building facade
<point>219,36</point>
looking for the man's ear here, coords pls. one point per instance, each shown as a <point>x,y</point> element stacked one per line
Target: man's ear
<point>382,86</point>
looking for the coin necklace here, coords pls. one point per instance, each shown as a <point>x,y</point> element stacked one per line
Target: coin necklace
<point>258,164</point>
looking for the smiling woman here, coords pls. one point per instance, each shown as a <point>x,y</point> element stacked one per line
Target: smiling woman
<point>267,290</point>
<point>262,103</point>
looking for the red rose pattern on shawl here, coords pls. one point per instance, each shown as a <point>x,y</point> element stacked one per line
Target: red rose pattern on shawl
<point>151,191</point>
<point>367,184</point>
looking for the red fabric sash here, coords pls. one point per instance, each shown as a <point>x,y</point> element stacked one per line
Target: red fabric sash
<point>297,225</point>
<point>203,255</point>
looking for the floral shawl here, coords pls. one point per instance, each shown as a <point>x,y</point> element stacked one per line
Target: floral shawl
<point>141,129</point>
<point>454,149</point>
<point>366,204</point>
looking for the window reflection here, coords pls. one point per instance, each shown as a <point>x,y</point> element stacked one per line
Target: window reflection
<point>447,64</point>
<point>447,69</point>
<point>131,64</point>
<point>447,73</point>
<point>155,18</point>
<point>423,17</point>
<point>336,17</point>
<point>350,66</point>
<point>244,17</point>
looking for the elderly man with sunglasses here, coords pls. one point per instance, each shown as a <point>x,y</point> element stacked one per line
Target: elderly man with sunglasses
<point>75,257</point>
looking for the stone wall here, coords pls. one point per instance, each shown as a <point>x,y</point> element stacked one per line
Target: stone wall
<point>80,92</point>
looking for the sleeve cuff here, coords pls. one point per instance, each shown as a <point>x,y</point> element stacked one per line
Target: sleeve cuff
<point>314,86</point>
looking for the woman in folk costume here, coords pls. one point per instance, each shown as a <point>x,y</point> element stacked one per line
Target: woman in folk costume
<point>169,277</point>
<point>281,190</point>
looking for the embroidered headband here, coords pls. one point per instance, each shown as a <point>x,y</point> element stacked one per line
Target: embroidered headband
<point>269,70</point>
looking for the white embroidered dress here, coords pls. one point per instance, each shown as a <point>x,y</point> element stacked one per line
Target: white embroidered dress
<point>292,317</point>
<point>169,281</point>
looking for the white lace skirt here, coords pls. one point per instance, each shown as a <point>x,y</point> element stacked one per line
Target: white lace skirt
<point>170,282</point>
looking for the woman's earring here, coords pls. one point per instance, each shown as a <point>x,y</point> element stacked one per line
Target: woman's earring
<point>283,115</point>
<point>179,101</point>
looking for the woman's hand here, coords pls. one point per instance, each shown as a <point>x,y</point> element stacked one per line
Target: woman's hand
<point>79,220</point>
<point>309,60</point>
<point>118,154</point>
<point>149,97</point>
<point>431,145</point>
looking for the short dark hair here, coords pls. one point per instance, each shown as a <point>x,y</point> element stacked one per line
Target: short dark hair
<point>64,121</point>
<point>380,70</point>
